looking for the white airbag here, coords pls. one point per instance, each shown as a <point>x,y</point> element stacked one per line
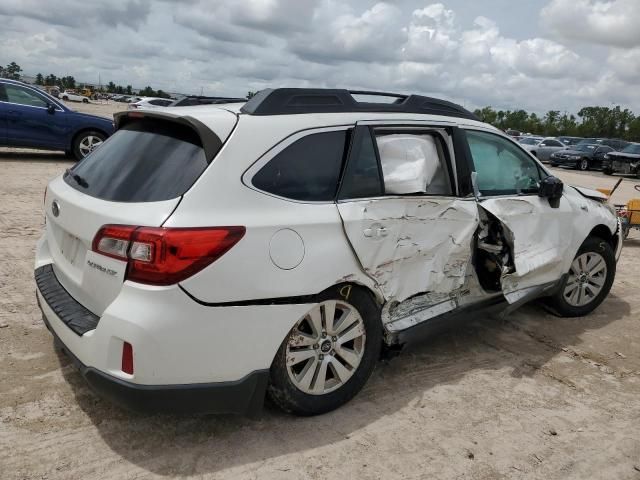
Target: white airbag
<point>409,162</point>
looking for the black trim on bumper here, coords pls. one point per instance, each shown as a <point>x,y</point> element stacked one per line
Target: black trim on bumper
<point>244,396</point>
<point>79,319</point>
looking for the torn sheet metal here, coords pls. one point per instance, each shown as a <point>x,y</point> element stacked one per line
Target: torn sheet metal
<point>545,240</point>
<point>409,245</point>
<point>539,235</point>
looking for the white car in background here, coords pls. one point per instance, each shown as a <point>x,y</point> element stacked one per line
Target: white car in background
<point>206,256</point>
<point>542,147</point>
<point>150,103</point>
<point>69,96</point>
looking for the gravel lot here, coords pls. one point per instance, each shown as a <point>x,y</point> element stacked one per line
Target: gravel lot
<point>530,396</point>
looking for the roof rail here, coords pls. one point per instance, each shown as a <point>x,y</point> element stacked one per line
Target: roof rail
<point>289,101</point>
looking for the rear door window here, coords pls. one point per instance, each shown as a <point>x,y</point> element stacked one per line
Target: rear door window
<point>145,161</point>
<point>306,170</point>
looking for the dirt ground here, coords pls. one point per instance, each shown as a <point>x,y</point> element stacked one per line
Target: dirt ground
<point>529,396</point>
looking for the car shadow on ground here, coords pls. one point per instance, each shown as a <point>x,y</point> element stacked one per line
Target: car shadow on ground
<point>198,444</point>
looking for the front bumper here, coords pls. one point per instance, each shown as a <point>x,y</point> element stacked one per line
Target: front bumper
<point>563,162</point>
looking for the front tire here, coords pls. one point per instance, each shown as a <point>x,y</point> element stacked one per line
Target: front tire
<point>84,100</point>
<point>329,354</point>
<point>583,165</point>
<point>589,280</point>
<point>607,171</point>
<point>86,142</point>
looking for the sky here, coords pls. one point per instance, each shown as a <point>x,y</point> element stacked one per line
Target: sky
<point>538,55</point>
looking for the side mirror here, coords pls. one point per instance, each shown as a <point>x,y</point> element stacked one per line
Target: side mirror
<point>551,187</point>
<point>51,108</point>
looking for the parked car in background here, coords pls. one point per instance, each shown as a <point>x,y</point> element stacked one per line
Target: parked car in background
<point>192,100</point>
<point>215,254</point>
<point>615,143</point>
<point>529,140</point>
<point>545,148</point>
<point>582,156</point>
<point>31,118</point>
<point>69,96</point>
<point>150,102</point>
<point>570,140</point>
<point>626,161</point>
<point>513,133</point>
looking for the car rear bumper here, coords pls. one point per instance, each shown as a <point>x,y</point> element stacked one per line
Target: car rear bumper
<point>187,356</point>
<point>244,396</point>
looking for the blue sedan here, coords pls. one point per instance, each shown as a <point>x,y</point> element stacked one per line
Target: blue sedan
<point>31,118</point>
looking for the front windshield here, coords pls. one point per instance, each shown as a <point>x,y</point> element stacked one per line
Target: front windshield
<point>530,141</point>
<point>588,141</point>
<point>584,147</point>
<point>634,148</point>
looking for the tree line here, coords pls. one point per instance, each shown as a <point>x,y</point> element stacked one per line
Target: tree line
<point>14,71</point>
<point>590,122</point>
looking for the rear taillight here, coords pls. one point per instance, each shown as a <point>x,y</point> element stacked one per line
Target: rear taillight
<point>127,358</point>
<point>164,256</point>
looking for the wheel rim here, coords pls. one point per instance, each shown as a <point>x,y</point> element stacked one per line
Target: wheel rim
<point>586,280</point>
<point>584,164</point>
<point>325,347</point>
<point>88,144</point>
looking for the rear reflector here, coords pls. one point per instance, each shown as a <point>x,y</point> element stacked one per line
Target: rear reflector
<point>165,256</point>
<point>127,358</point>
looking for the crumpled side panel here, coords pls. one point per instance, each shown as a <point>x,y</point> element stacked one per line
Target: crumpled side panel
<point>427,248</point>
<point>545,240</point>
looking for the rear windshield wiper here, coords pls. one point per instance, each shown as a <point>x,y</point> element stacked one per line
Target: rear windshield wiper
<point>79,180</point>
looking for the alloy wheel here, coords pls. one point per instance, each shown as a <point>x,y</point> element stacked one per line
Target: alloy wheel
<point>587,277</point>
<point>88,144</point>
<point>325,347</point>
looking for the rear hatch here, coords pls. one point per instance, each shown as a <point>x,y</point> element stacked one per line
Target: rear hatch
<point>137,177</point>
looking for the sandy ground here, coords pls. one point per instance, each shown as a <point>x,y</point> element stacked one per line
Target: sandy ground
<point>530,396</point>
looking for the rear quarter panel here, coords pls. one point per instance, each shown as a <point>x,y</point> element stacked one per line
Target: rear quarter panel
<point>247,272</point>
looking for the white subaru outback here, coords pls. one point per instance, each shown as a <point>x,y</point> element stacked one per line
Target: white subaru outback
<point>207,256</point>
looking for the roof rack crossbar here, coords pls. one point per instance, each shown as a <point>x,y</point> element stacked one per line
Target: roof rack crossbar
<point>289,101</point>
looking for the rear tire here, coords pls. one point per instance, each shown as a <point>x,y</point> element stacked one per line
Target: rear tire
<point>588,281</point>
<point>85,142</point>
<point>607,171</point>
<point>313,374</point>
<point>84,100</point>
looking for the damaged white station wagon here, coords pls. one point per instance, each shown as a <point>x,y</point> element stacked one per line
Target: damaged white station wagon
<point>207,256</point>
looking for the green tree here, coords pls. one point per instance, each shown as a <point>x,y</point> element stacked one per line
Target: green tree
<point>13,71</point>
<point>250,94</point>
<point>39,79</point>
<point>129,90</point>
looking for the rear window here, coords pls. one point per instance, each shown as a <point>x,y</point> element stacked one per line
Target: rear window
<point>307,170</point>
<point>145,161</point>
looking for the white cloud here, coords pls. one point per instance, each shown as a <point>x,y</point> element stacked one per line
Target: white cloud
<point>228,48</point>
<point>611,23</point>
